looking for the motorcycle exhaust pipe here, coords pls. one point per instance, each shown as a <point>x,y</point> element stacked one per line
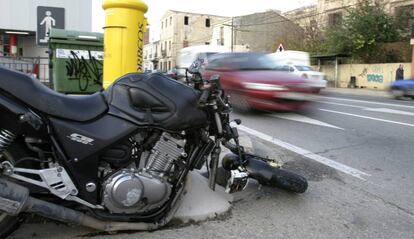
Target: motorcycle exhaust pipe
<point>267,175</point>
<point>15,199</point>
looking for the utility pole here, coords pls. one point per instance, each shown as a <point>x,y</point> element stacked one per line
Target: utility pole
<point>232,34</point>
<point>412,58</point>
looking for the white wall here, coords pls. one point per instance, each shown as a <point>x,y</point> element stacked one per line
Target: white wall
<point>30,49</point>
<point>22,14</point>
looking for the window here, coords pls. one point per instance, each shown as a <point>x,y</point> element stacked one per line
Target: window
<point>221,36</point>
<point>169,65</point>
<point>285,68</point>
<point>335,19</point>
<point>304,68</point>
<point>170,21</point>
<point>208,24</point>
<point>207,43</point>
<point>215,64</point>
<point>186,20</point>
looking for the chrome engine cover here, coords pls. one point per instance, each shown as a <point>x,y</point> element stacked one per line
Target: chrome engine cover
<point>128,191</point>
<point>135,191</point>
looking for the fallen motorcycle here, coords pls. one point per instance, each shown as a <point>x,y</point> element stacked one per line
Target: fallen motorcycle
<point>118,159</point>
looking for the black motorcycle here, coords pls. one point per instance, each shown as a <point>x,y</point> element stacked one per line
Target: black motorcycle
<point>118,159</point>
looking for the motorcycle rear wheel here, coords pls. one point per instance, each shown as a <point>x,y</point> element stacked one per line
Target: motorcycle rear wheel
<point>9,224</point>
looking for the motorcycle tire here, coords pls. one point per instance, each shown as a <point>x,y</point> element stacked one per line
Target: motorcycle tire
<point>8,224</point>
<point>288,181</point>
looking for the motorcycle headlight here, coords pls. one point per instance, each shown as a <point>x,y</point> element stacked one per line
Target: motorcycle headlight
<point>262,86</point>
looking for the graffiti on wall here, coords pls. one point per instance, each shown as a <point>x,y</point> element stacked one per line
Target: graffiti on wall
<point>376,78</point>
<point>375,75</point>
<point>86,69</point>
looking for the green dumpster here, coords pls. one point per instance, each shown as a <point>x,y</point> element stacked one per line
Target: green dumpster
<point>76,61</point>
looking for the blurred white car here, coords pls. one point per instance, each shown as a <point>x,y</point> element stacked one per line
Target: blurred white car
<point>298,63</point>
<point>316,79</point>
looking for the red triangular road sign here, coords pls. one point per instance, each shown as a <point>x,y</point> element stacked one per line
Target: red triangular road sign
<point>280,47</point>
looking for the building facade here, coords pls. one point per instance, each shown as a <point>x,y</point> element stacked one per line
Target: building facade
<point>303,16</point>
<point>329,13</point>
<point>224,35</point>
<point>19,23</point>
<point>265,31</point>
<point>179,30</point>
<point>24,25</point>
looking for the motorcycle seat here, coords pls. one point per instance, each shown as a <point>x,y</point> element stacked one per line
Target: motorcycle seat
<point>38,96</point>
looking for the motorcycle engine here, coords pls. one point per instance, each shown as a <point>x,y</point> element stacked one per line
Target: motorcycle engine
<point>135,190</point>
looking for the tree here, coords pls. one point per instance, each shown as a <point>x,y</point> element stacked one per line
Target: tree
<point>365,28</point>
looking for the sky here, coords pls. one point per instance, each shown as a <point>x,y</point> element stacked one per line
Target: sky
<point>157,8</point>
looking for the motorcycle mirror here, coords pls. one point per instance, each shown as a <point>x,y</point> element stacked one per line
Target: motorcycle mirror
<point>237,121</point>
<point>195,67</point>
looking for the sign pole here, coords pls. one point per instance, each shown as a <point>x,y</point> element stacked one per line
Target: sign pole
<point>124,30</point>
<point>412,58</point>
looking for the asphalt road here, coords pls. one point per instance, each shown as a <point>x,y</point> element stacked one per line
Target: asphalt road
<point>357,153</point>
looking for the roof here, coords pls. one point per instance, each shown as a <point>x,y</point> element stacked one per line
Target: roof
<point>330,56</point>
<point>193,13</point>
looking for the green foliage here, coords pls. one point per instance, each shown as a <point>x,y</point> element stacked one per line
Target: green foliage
<point>404,20</point>
<point>363,31</point>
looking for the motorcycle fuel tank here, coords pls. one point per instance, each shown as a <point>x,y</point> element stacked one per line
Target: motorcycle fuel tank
<point>156,100</point>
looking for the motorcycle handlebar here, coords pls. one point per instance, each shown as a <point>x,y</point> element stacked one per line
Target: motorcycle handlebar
<point>204,96</point>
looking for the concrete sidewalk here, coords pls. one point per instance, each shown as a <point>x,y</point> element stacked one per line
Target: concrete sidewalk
<point>357,91</point>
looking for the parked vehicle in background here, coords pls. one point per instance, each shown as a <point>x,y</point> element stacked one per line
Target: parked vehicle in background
<point>252,82</point>
<point>298,63</point>
<point>172,73</point>
<point>402,88</point>
<point>189,54</point>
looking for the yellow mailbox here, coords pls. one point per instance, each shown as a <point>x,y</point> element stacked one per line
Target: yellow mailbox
<point>124,30</point>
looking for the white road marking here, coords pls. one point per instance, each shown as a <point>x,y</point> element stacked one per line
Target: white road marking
<point>246,141</point>
<point>390,111</point>
<point>366,117</point>
<point>308,154</point>
<point>366,102</point>
<point>304,119</point>
<point>340,104</point>
<point>380,110</point>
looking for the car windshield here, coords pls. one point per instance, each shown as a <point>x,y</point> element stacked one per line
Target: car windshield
<point>304,68</point>
<point>244,62</point>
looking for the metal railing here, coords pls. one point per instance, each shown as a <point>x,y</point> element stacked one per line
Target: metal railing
<point>37,67</point>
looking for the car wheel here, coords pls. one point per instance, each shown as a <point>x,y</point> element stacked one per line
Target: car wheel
<point>397,93</point>
<point>239,102</point>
